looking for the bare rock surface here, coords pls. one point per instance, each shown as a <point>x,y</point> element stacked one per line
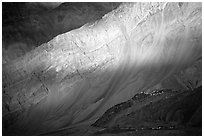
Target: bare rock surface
<point>38,23</point>
<point>74,78</point>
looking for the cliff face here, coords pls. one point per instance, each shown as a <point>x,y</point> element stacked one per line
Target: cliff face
<point>74,78</point>
<point>28,25</point>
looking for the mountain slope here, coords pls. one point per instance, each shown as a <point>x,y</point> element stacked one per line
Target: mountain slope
<point>74,78</point>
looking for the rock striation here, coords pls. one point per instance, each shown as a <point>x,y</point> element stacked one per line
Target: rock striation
<point>74,78</point>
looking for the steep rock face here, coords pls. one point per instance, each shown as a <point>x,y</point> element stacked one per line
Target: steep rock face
<point>37,23</point>
<point>74,78</point>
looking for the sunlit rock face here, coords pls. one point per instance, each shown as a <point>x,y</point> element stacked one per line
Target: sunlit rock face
<point>28,25</point>
<point>74,78</point>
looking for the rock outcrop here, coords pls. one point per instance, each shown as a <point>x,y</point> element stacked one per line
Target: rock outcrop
<point>37,23</point>
<point>74,78</point>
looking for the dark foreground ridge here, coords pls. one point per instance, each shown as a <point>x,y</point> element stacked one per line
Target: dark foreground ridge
<point>163,112</point>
